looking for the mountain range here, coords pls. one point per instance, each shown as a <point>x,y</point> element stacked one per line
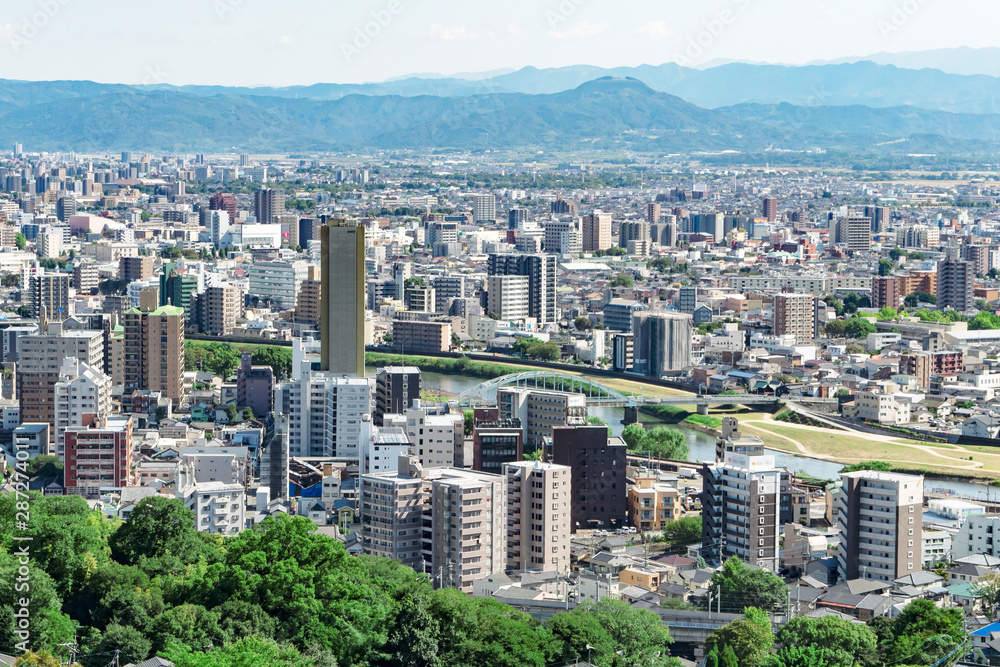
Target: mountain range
<point>603,114</point>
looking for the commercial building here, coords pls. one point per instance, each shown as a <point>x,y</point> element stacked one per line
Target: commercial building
<point>661,342</point>
<point>540,411</point>
<point>218,223</point>
<point>795,314</point>
<point>447,522</point>
<point>495,442</point>
<point>396,390</point>
<point>633,230</point>
<point>618,313</point>
<point>597,231</point>
<point>855,232</point>
<point>98,455</point>
<point>563,237</point>
<point>770,208</point>
<point>277,283</point>
<point>599,487</point>
<point>880,517</point>
<point>86,277</point>
<point>538,516</point>
<point>888,291</point>
<point>342,309</point>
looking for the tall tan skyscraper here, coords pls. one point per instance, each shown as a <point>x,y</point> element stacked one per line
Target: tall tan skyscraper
<point>538,516</point>
<point>154,347</point>
<point>342,298</point>
<point>597,231</point>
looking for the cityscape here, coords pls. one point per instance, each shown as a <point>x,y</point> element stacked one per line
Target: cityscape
<point>543,363</point>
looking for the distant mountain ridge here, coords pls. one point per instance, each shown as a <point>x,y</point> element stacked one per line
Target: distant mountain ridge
<point>841,84</point>
<point>607,113</point>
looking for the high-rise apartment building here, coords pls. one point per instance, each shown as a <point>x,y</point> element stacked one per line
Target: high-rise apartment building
<point>342,310</point>
<point>880,515</point>
<point>277,283</point>
<point>653,213</point>
<point>855,232</point>
<point>598,479</point>
<point>508,297</point>
<point>538,516</point>
<point>396,389</point>
<point>597,231</point>
<point>661,342</point>
<point>220,306</point>
<point>541,273</point>
<point>131,269</point>
<point>495,442</point>
<point>447,522</point>
<point>436,434</point>
<point>50,292</point>
<point>741,510</point>
<point>86,277</point>
<point>224,201</point>
<point>795,314</point>
<point>888,291</point>
<point>326,411</point>
<point>309,303</point>
<point>217,223</point>
<point>633,230</point>
<point>254,386</point>
<point>40,358</point>
<point>540,411</point>
<point>770,208</point>
<point>268,204</point>
<point>99,454</point>
<point>955,280</point>
<point>82,391</point>
<point>484,208</point>
<point>563,237</point>
<point>687,299</point>
<point>154,348</point>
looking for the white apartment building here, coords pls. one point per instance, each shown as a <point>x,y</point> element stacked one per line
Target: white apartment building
<point>219,508</point>
<point>538,516</point>
<point>881,527</point>
<point>381,448</point>
<point>484,208</point>
<point>508,297</point>
<point>81,390</point>
<point>218,224</point>
<point>880,408</point>
<point>977,535</point>
<point>326,413</point>
<point>436,439</point>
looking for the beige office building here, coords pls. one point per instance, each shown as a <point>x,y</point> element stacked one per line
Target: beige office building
<point>538,516</point>
<point>154,347</point>
<point>223,304</point>
<point>795,314</point>
<point>597,231</point>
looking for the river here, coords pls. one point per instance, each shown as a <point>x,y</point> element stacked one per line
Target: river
<point>701,445</point>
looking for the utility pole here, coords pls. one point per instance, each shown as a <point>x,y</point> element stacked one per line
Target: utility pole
<point>718,598</point>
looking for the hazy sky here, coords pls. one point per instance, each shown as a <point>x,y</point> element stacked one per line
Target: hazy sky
<point>283,42</point>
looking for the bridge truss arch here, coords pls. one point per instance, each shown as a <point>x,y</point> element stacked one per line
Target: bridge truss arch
<point>596,393</point>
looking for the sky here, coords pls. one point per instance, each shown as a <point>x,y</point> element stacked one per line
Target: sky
<point>297,42</point>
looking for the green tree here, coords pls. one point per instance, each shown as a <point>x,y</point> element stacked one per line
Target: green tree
<point>609,627</point>
<point>743,586</point>
<point>749,638</point>
<point>858,327</point>
<point>129,640</point>
<point>37,659</point>
<point>583,323</point>
<point>157,527</point>
<point>161,413</point>
<point>188,624</point>
<point>243,652</point>
<point>923,618</point>
<point>686,530</point>
<point>20,241</point>
<point>984,321</point>
<point>729,658</point>
<point>840,643</point>
<point>880,466</point>
<point>885,267</point>
<point>887,314</point>
<point>835,303</point>
<point>278,358</point>
<point>231,413</point>
<point>622,280</point>
<point>248,413</point>
<point>896,253</point>
<point>835,328</point>
<point>470,421</point>
<point>798,656</point>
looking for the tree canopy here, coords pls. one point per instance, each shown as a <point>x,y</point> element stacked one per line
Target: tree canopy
<point>743,586</point>
<point>659,441</point>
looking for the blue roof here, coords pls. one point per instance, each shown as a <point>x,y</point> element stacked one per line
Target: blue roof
<point>985,631</point>
<point>742,375</point>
